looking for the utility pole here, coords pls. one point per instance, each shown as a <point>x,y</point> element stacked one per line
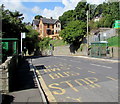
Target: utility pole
<point>87,34</point>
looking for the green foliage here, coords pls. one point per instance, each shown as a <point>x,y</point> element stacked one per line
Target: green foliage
<point>12,24</point>
<point>114,41</point>
<point>44,43</point>
<point>57,43</point>
<point>109,12</point>
<point>80,11</point>
<point>66,18</point>
<point>74,31</point>
<point>31,32</point>
<point>31,41</point>
<point>38,16</point>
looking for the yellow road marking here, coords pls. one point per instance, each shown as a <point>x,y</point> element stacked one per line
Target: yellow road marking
<point>111,78</point>
<point>69,84</point>
<point>78,68</point>
<point>76,99</point>
<point>49,66</point>
<point>61,90</point>
<point>60,64</point>
<point>50,97</point>
<point>91,72</point>
<point>55,65</point>
<point>93,82</point>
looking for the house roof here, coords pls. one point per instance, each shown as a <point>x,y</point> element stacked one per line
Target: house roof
<point>36,22</point>
<point>49,21</point>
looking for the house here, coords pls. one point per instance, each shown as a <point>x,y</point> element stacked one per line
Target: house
<point>101,34</point>
<point>35,24</point>
<point>49,27</point>
<point>97,18</point>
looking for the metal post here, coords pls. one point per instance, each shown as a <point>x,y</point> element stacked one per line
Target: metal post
<point>21,43</point>
<point>87,34</point>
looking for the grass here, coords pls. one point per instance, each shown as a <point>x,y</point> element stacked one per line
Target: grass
<point>114,41</point>
<point>57,43</point>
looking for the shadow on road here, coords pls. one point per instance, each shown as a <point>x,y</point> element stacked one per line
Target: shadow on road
<point>40,67</point>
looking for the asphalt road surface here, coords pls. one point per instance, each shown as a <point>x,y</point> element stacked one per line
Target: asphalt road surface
<point>71,79</point>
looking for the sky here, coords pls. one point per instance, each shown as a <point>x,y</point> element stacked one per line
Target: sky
<point>46,8</point>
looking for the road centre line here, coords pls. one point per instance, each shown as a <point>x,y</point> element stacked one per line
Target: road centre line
<point>78,67</point>
<point>111,78</point>
<point>101,66</point>
<point>91,72</point>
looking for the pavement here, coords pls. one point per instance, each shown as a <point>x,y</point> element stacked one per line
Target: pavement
<point>102,59</point>
<point>25,88</point>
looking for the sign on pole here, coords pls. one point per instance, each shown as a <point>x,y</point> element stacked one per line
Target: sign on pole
<point>22,36</point>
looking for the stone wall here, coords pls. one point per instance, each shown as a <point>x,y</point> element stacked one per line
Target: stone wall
<point>7,73</point>
<point>65,50</point>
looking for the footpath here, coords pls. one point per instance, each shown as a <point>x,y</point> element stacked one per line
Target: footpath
<point>25,88</point>
<point>102,59</point>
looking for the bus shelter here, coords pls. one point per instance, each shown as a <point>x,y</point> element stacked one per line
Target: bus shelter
<point>99,49</point>
<point>9,47</point>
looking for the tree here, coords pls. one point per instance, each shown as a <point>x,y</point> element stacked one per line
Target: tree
<point>44,43</point>
<point>109,13</point>
<point>38,17</point>
<point>31,41</point>
<point>66,18</point>
<point>74,32</point>
<point>80,11</point>
<point>12,24</point>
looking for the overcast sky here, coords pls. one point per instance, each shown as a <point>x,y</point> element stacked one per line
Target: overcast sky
<point>46,8</point>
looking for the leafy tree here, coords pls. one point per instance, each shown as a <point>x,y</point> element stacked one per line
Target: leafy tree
<point>74,31</point>
<point>44,43</point>
<point>109,12</point>
<point>12,24</point>
<point>80,11</point>
<point>38,16</point>
<point>66,18</point>
<point>31,41</point>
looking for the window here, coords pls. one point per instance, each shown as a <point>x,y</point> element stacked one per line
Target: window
<point>52,32</point>
<point>59,26</point>
<point>56,31</point>
<point>49,32</point>
<point>52,26</point>
<point>48,25</point>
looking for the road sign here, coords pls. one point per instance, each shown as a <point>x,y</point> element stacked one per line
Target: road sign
<point>23,35</point>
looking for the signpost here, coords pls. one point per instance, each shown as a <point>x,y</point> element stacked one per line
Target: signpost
<point>22,36</point>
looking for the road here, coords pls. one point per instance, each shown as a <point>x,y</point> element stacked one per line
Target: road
<point>71,79</point>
